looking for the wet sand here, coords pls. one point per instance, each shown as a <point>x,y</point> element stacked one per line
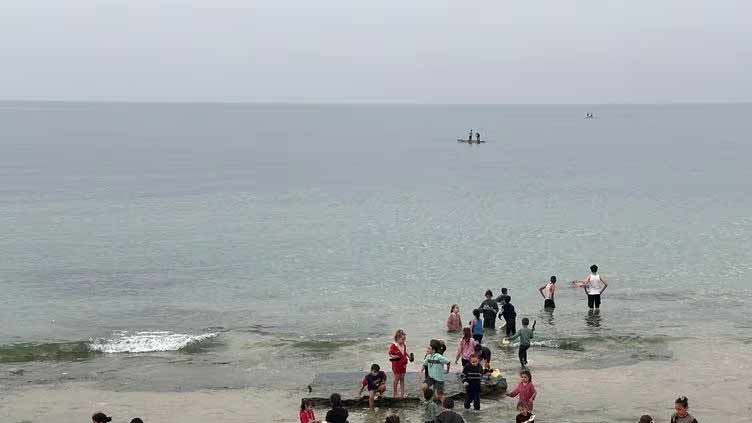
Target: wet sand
<point>712,376</point>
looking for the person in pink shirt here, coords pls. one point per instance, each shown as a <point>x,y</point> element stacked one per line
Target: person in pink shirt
<point>525,390</point>
<point>454,323</point>
<point>466,347</point>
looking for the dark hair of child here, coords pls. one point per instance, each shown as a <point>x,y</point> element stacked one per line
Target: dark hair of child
<point>448,403</point>
<point>392,419</point>
<point>476,313</point>
<point>489,293</point>
<point>683,401</point>
<point>525,321</point>
<point>137,420</point>
<point>504,291</point>
<point>375,367</point>
<point>336,400</point>
<point>428,394</point>
<point>101,418</point>
<point>303,403</point>
<point>553,279</point>
<point>527,373</point>
<point>593,268</point>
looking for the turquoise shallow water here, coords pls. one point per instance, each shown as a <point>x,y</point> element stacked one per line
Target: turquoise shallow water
<point>295,239</point>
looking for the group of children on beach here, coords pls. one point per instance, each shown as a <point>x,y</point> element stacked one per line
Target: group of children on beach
<point>475,358</point>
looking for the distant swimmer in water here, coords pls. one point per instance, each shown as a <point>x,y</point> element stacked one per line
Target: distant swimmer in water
<point>470,136</point>
<point>547,292</point>
<point>477,137</point>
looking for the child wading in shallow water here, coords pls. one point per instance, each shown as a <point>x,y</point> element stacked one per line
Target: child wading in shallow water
<point>525,334</point>
<point>525,390</point>
<point>454,322</point>
<point>399,358</point>
<point>430,407</point>
<point>375,382</point>
<point>471,376</point>
<point>434,363</point>
<point>306,412</point>
<point>465,348</point>
<point>477,326</point>
<point>681,405</point>
<point>525,415</point>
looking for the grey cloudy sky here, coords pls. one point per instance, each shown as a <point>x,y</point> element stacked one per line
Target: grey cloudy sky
<point>433,51</point>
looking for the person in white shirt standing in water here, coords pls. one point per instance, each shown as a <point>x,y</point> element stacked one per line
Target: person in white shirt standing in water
<point>594,286</point>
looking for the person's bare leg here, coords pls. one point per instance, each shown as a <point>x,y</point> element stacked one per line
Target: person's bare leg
<point>370,398</point>
<point>396,387</point>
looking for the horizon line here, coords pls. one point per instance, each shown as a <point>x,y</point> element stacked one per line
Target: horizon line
<point>364,103</point>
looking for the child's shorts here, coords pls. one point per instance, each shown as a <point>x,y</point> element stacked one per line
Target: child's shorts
<point>438,386</point>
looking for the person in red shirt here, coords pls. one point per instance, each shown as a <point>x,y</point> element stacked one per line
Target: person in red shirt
<point>454,322</point>
<point>399,358</point>
<point>306,412</point>
<point>525,390</point>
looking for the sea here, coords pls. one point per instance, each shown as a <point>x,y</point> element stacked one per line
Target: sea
<point>187,248</point>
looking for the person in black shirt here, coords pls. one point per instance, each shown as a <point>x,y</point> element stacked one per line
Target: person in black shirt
<point>484,357</point>
<point>489,308</point>
<point>471,376</point>
<point>337,414</point>
<point>504,296</point>
<point>510,317</point>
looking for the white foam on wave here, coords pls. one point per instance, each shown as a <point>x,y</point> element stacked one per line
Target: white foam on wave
<point>139,342</point>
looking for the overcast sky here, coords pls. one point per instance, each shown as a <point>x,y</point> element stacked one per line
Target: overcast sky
<point>428,51</point>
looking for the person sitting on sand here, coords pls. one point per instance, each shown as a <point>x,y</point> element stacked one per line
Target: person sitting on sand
<point>100,418</point>
<point>375,381</point>
<point>454,322</point>
<point>306,412</point>
<point>448,415</point>
<point>337,414</point>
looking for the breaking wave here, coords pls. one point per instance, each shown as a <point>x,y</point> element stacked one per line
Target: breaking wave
<point>141,342</point>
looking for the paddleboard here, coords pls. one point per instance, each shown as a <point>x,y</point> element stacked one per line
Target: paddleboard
<point>471,142</point>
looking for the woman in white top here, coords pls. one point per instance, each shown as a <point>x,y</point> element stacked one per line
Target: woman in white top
<point>594,286</point>
<point>547,291</point>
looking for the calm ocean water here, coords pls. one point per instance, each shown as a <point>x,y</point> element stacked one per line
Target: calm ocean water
<point>182,247</point>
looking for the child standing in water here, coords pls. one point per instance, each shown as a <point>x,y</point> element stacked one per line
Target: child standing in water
<point>430,407</point>
<point>681,405</point>
<point>399,358</point>
<point>525,334</point>
<point>465,348</point>
<point>306,412</point>
<point>477,326</point>
<point>510,317</point>
<point>525,415</point>
<point>434,363</point>
<point>454,323</point>
<point>490,308</point>
<point>471,375</point>
<point>525,390</point>
<point>375,381</point>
